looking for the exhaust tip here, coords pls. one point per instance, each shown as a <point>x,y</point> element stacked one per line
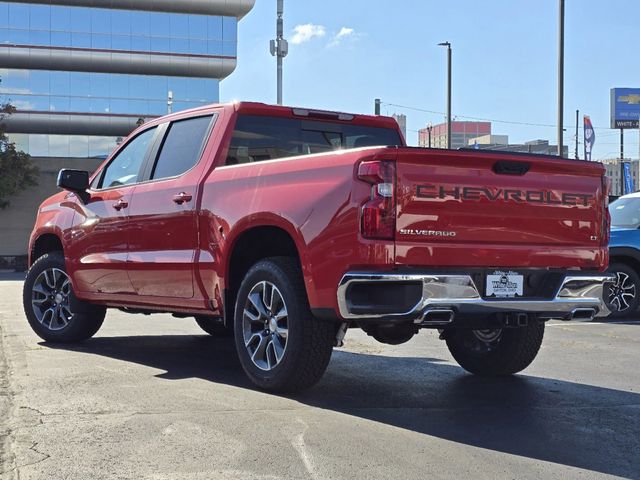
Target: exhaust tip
<point>586,314</point>
<point>436,317</point>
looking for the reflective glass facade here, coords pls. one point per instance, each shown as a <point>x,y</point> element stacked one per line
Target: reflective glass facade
<point>142,95</point>
<point>99,28</point>
<point>186,54</point>
<point>63,146</point>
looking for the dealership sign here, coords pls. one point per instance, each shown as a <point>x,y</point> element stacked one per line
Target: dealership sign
<point>625,107</point>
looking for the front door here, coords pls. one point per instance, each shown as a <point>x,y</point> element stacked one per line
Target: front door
<point>101,234</point>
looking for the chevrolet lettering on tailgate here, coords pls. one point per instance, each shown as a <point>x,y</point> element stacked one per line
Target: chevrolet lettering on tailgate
<point>493,194</point>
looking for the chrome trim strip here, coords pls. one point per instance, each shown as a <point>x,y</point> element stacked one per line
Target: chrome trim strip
<point>229,8</point>
<point>71,124</point>
<point>100,61</point>
<point>441,290</point>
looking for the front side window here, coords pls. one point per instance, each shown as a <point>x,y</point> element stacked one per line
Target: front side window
<point>124,169</point>
<point>257,138</point>
<point>182,147</point>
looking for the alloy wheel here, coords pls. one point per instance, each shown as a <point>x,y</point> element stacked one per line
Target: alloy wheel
<point>265,325</point>
<point>622,293</point>
<point>50,299</point>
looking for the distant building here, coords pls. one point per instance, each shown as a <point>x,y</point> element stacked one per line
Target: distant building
<point>614,172</point>
<point>489,140</point>
<point>402,122</point>
<point>501,143</point>
<point>461,133</point>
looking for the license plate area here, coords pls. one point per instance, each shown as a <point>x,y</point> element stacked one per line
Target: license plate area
<point>504,284</point>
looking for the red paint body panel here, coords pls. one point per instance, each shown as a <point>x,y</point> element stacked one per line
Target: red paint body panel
<point>489,229</point>
<point>98,253</point>
<point>163,256</point>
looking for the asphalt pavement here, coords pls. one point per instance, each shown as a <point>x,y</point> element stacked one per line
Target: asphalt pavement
<point>155,398</point>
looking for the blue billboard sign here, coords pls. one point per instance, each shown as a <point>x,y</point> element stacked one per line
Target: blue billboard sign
<point>625,107</point>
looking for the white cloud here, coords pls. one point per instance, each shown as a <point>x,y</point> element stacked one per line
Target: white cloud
<point>304,33</point>
<point>345,32</point>
<point>341,35</point>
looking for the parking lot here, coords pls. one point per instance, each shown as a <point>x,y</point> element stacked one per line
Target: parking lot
<point>153,398</point>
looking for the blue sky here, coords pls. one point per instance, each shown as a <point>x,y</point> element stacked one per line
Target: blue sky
<point>504,61</point>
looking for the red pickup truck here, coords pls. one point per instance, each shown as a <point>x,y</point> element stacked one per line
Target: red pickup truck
<point>284,227</point>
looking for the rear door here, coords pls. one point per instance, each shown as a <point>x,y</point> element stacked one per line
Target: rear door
<point>466,209</point>
<point>163,212</point>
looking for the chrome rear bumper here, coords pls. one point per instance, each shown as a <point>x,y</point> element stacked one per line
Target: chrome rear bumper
<point>444,296</point>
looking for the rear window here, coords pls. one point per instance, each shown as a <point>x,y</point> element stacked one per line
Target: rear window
<point>257,138</point>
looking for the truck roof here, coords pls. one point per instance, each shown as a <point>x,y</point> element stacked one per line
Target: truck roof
<point>257,108</point>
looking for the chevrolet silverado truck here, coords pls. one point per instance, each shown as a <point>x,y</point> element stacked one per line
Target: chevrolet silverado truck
<point>284,227</point>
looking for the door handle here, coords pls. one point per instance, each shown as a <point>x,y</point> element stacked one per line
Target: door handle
<point>182,197</point>
<point>120,204</point>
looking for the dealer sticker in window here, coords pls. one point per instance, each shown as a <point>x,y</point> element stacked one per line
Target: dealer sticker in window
<point>504,284</point>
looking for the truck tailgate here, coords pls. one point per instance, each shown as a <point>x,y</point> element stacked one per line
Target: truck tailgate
<point>466,208</point>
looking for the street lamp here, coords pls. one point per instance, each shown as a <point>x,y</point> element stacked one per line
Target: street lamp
<point>429,128</point>
<point>448,45</point>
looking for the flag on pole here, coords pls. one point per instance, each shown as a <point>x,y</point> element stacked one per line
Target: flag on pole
<point>628,185</point>
<point>589,137</point>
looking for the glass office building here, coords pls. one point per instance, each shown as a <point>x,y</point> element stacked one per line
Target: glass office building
<point>83,73</point>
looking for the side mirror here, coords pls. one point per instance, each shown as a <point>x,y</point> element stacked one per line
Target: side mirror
<point>76,181</point>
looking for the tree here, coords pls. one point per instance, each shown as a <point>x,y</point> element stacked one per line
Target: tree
<point>17,171</point>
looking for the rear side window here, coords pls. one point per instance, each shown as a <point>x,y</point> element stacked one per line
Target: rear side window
<point>182,147</point>
<point>256,138</point>
<point>124,169</point>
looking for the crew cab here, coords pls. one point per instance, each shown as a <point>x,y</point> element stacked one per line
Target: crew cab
<point>284,227</point>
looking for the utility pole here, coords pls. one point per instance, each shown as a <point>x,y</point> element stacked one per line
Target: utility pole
<point>377,106</point>
<point>448,45</point>
<point>577,120</point>
<point>560,78</point>
<point>279,47</point>
<point>622,182</point>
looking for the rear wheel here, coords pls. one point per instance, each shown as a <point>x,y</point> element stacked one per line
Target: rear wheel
<point>281,345</point>
<point>52,310</point>
<point>622,296</point>
<point>213,326</point>
<point>495,352</point>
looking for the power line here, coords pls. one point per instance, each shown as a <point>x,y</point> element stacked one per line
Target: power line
<point>480,119</point>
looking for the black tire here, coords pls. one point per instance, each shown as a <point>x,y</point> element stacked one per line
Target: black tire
<point>84,320</point>
<point>308,341</point>
<point>213,326</point>
<point>623,297</point>
<point>495,352</point>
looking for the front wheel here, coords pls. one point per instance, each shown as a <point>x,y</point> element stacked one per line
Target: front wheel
<point>495,352</point>
<point>280,344</point>
<point>53,312</point>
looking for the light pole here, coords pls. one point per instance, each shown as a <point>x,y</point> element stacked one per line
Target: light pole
<point>429,128</point>
<point>448,45</point>
<point>279,47</point>
<point>560,77</point>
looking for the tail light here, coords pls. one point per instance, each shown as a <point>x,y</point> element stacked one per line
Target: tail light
<point>606,216</point>
<point>378,213</point>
